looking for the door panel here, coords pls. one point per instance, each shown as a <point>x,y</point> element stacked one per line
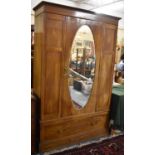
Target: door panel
<point>52,89</point>
<point>106,67</point>
<point>52,66</point>
<point>73,25</point>
<point>105,83</point>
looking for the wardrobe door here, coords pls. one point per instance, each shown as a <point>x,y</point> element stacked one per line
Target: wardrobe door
<point>72,26</point>
<point>106,67</point>
<point>52,66</point>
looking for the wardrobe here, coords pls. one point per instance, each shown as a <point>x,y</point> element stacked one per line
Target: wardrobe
<point>60,123</point>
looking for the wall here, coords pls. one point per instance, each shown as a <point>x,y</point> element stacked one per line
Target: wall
<point>120,45</point>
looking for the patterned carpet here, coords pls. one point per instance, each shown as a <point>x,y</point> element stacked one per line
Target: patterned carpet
<point>110,146</point>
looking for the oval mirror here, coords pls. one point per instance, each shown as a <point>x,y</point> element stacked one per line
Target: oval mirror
<point>81,67</point>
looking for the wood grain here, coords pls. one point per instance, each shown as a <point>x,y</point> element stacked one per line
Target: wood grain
<point>60,133</point>
<point>60,122</point>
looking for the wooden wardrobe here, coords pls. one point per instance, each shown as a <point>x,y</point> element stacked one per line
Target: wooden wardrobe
<point>61,124</point>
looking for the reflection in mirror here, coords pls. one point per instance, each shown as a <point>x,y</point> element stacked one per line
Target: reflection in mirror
<point>82,66</point>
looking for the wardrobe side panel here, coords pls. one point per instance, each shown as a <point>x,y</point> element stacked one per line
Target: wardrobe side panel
<point>52,65</point>
<point>38,48</point>
<point>106,67</point>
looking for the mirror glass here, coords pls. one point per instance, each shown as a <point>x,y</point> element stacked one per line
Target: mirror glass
<point>81,67</point>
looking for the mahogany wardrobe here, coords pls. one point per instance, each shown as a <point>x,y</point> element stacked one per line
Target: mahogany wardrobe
<point>61,123</point>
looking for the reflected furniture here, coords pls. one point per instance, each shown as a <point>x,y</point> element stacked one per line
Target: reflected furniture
<point>81,67</point>
<point>61,123</point>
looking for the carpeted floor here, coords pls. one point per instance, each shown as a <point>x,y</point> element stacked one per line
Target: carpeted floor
<point>110,146</point>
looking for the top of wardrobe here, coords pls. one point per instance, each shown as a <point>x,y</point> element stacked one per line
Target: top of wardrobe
<point>73,12</point>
